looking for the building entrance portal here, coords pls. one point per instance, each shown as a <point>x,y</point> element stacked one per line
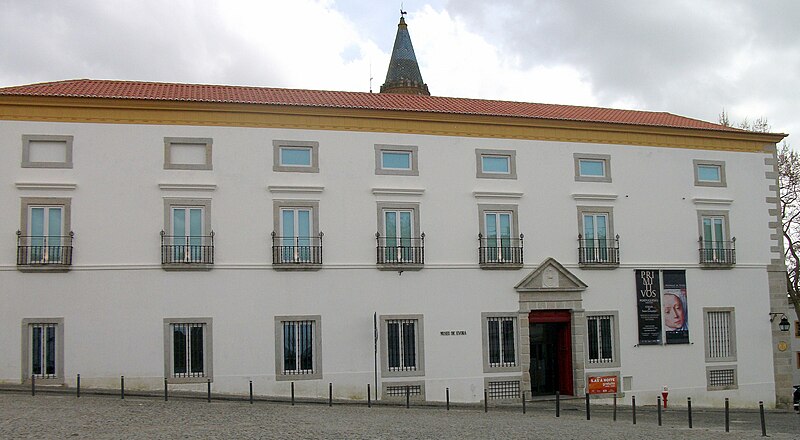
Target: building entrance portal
<point>551,352</point>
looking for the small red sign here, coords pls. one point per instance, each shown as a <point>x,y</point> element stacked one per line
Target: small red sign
<point>602,384</point>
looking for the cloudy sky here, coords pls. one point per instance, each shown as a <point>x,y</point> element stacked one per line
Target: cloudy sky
<point>689,57</point>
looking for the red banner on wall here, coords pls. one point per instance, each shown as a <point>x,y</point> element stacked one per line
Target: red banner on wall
<point>602,384</point>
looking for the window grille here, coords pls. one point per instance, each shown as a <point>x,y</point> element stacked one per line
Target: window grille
<point>502,343</point>
<point>601,348</point>
<point>43,350</point>
<point>508,389</point>
<point>400,390</point>
<point>719,337</point>
<point>298,347</point>
<point>402,344</point>
<point>188,345</point>
<point>722,377</point>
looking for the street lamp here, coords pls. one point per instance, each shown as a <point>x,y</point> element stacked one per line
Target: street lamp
<point>783,324</point>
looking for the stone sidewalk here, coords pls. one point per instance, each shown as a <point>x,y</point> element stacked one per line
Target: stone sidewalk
<point>62,415</point>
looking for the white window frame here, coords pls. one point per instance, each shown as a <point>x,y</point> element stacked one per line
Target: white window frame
<point>316,345</point>
<point>604,158</point>
<point>411,150</point>
<point>27,351</point>
<point>722,182</point>
<point>310,205</point>
<point>170,165</point>
<point>509,155</point>
<point>277,159</point>
<point>710,333</point>
<point>26,150</point>
<point>419,368</point>
<point>726,237</point>
<point>486,318</point>
<point>614,362</point>
<point>169,360</point>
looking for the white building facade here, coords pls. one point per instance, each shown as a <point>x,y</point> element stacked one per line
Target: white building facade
<point>244,239</point>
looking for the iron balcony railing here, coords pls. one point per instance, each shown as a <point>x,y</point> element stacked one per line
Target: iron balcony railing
<point>44,250</point>
<point>400,250</point>
<point>601,251</point>
<point>296,250</point>
<point>500,251</point>
<point>714,252</point>
<point>187,249</point>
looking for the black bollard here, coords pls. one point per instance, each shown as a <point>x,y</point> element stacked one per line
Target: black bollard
<point>485,401</point>
<point>165,389</point>
<point>658,405</point>
<point>615,407</point>
<point>33,385</point>
<point>369,397</point>
<point>122,387</point>
<point>633,408</point>
<point>558,404</point>
<point>727,416</point>
<point>523,402</point>
<point>292,393</point>
<point>251,392</point>
<point>408,396</point>
<point>588,410</point>
<point>330,393</point>
<point>447,394</point>
<point>763,423</point>
<point>208,381</point>
<point>78,388</point>
<point>689,407</point>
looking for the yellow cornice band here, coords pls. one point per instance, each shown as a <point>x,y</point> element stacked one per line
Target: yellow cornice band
<point>131,111</point>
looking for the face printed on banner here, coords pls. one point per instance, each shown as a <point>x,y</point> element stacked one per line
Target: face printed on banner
<point>674,316</point>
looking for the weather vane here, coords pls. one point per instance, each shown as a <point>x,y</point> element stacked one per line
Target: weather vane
<point>402,12</point>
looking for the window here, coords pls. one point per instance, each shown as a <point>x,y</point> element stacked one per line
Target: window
<point>502,389</point>
<point>496,164</point>
<point>396,159</point>
<point>592,167</point>
<point>297,239</point>
<point>603,339</point>
<point>597,242</point>
<point>499,239</point>
<point>298,347</point>
<point>295,156</point>
<point>46,151</point>
<point>401,346</point>
<point>43,350</point>
<point>188,237</point>
<point>720,334</point>
<point>397,390</point>
<point>45,235</point>
<point>500,342</point>
<point>721,378</point>
<point>716,247</point>
<point>797,354</point>
<point>187,350</point>
<point>187,153</point>
<point>400,241</point>
<point>797,329</point>
<point>709,173</point>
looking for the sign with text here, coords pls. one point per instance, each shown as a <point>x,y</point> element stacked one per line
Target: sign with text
<point>648,304</point>
<point>602,384</point>
<point>676,312</point>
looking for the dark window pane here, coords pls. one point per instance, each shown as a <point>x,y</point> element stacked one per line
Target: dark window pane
<point>179,349</point>
<point>409,346</point>
<point>393,342</point>
<point>593,348</point>
<point>197,349</point>
<point>289,347</point>
<point>508,341</point>
<point>605,332</point>
<point>36,350</point>
<point>51,351</point>
<point>306,346</point>
<point>494,342</point>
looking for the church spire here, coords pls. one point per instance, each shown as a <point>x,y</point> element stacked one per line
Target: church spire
<point>403,75</point>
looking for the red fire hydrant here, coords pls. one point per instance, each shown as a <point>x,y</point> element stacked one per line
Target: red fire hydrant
<point>664,394</point>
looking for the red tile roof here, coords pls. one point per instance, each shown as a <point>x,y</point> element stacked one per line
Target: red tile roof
<point>87,88</point>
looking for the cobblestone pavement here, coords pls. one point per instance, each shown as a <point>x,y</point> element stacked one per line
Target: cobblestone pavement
<point>103,416</point>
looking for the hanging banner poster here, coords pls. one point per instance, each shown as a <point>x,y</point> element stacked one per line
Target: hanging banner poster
<point>676,313</point>
<point>648,301</point>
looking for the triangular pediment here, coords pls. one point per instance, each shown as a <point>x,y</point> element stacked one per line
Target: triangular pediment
<point>550,276</point>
